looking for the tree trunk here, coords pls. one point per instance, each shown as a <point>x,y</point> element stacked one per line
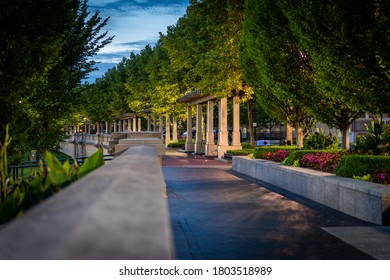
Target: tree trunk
<point>289,134</point>
<point>250,122</point>
<point>299,136</point>
<point>345,138</point>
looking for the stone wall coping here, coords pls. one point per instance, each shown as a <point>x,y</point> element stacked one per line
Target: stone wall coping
<point>118,211</point>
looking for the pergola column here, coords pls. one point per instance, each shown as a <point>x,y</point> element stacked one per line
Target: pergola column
<point>134,124</point>
<point>174,132</point>
<point>128,125</point>
<point>154,122</point>
<point>107,128</point>
<point>198,138</point>
<point>115,128</point>
<point>149,123</point>
<point>236,137</point>
<point>160,125</point>
<point>139,123</point>
<point>211,148</point>
<point>223,141</point>
<point>167,130</point>
<point>98,128</point>
<point>189,145</point>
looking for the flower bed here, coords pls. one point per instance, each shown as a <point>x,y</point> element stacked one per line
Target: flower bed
<point>277,156</point>
<point>323,161</point>
<point>342,163</point>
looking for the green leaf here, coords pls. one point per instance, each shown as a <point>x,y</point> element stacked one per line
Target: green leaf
<point>94,161</point>
<point>57,176</point>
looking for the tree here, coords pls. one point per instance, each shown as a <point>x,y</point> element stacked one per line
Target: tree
<point>274,65</point>
<point>348,43</point>
<point>54,42</point>
<point>30,44</point>
<point>204,46</point>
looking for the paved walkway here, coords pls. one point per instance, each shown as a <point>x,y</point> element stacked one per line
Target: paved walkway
<point>216,214</point>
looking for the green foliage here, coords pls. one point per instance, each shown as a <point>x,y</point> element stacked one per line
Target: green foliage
<point>280,76</point>
<point>346,42</point>
<point>260,151</point>
<point>376,141</point>
<point>178,144</point>
<point>319,140</point>
<point>366,177</point>
<point>361,165</point>
<point>243,152</point>
<point>17,196</point>
<point>94,161</point>
<point>46,48</point>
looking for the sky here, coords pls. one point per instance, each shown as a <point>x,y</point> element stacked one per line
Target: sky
<point>134,23</point>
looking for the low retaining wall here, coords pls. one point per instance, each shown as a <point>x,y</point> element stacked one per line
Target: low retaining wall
<point>119,211</point>
<point>364,200</point>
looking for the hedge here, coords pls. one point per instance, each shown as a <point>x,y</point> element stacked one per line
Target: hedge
<point>243,152</point>
<point>259,151</point>
<point>360,165</point>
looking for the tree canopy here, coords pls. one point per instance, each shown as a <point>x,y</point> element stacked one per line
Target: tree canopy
<point>46,50</point>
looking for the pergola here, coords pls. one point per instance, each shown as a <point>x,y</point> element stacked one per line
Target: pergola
<point>198,99</point>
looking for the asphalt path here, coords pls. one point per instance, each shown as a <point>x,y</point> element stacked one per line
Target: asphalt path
<point>219,215</point>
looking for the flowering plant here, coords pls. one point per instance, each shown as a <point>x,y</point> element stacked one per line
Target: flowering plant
<point>322,161</point>
<point>381,177</point>
<point>278,156</point>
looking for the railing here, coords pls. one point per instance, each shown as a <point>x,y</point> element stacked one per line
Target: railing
<point>17,171</point>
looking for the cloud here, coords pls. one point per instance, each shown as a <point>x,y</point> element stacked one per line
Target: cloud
<point>134,23</point>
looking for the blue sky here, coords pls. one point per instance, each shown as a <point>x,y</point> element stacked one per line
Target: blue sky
<point>134,23</point>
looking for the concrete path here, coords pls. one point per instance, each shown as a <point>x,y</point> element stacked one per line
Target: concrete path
<point>216,214</point>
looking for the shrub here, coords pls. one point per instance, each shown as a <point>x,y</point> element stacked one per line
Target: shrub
<point>177,144</point>
<point>278,156</point>
<point>381,177</point>
<point>376,141</point>
<point>259,151</point>
<point>16,196</point>
<point>243,152</point>
<point>319,140</point>
<point>361,165</point>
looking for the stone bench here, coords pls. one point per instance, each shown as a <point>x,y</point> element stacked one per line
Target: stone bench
<point>364,200</point>
<point>118,211</point>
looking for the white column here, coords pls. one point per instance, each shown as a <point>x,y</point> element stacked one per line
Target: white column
<point>134,124</point>
<point>236,137</point>
<point>198,138</point>
<point>107,132</point>
<point>167,130</point>
<point>139,124</point>
<point>211,148</point>
<point>128,125</point>
<point>160,125</point>
<point>115,126</point>
<point>223,144</point>
<point>189,144</point>
<point>98,128</point>
<point>174,133</point>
